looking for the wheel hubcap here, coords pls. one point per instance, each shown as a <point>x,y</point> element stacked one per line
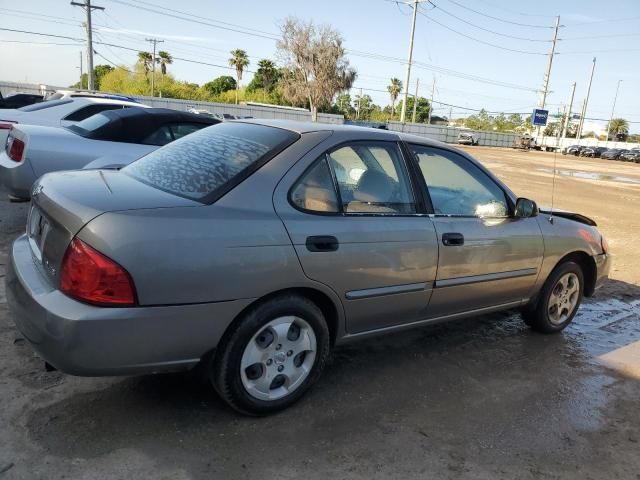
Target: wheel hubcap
<point>278,358</point>
<point>564,298</point>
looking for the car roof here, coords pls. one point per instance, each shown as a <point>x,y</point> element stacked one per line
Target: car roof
<point>158,115</point>
<point>377,133</point>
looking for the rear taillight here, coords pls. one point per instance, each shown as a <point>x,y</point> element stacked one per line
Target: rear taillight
<point>15,149</point>
<point>89,276</point>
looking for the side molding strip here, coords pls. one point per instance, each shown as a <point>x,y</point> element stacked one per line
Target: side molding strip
<point>380,291</point>
<point>450,282</point>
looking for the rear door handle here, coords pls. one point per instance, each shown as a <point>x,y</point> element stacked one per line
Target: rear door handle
<point>322,243</point>
<point>452,239</point>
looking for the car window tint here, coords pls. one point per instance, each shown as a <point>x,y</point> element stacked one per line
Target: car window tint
<point>314,191</point>
<point>458,187</point>
<point>179,130</point>
<point>90,124</point>
<point>372,178</point>
<point>206,163</point>
<point>160,137</point>
<point>89,110</point>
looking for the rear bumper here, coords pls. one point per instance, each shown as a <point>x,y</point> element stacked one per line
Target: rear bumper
<point>17,177</point>
<point>85,340</point>
<point>603,265</point>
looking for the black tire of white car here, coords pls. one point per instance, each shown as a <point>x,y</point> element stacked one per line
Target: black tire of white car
<point>225,369</point>
<point>537,315</point>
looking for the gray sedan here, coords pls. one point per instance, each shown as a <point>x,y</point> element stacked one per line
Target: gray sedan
<point>252,248</point>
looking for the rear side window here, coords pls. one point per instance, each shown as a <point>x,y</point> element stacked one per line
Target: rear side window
<point>90,124</point>
<point>315,191</point>
<point>89,110</point>
<point>206,164</point>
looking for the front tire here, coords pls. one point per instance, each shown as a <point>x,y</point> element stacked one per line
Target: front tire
<point>558,300</point>
<point>274,354</point>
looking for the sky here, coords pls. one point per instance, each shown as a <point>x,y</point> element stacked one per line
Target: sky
<point>481,53</point>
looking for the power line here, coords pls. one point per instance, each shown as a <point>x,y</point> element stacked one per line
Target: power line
<point>497,18</point>
<point>486,29</point>
<point>193,20</point>
<point>515,12</point>
<point>478,40</point>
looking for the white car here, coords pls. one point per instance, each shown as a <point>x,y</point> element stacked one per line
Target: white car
<point>61,112</point>
<point>110,139</point>
<point>468,138</point>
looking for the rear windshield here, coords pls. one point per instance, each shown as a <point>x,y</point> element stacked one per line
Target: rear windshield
<point>46,104</point>
<point>89,125</point>
<point>206,164</point>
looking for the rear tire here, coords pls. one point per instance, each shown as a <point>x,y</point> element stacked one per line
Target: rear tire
<point>276,351</point>
<point>558,300</point>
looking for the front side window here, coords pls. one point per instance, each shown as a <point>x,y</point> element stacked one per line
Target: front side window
<point>203,165</point>
<point>314,191</point>
<point>372,178</point>
<point>458,187</point>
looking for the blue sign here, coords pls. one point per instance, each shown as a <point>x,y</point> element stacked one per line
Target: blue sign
<point>539,117</point>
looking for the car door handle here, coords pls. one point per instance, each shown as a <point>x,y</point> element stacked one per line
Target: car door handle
<point>322,243</point>
<point>452,239</point>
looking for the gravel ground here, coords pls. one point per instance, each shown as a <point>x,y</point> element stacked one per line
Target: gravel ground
<point>479,398</point>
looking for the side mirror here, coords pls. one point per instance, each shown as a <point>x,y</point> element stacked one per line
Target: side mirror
<point>526,208</point>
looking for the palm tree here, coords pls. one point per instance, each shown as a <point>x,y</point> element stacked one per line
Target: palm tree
<point>268,70</point>
<point>146,60</point>
<point>164,59</point>
<point>618,125</point>
<point>239,59</point>
<point>394,88</point>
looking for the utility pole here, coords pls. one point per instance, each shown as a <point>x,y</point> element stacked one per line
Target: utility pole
<point>585,103</point>
<point>450,113</point>
<point>415,102</point>
<point>568,117</point>
<point>153,63</point>
<point>407,78</point>
<point>613,109</point>
<point>547,75</point>
<point>433,89</point>
<point>88,8</point>
<point>358,105</point>
<point>81,69</point>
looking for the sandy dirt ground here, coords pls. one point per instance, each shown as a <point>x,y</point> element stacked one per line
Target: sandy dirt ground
<point>483,398</point>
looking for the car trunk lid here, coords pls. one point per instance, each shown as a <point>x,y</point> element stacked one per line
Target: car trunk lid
<point>64,202</point>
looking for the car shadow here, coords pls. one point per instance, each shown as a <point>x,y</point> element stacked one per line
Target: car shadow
<point>469,384</point>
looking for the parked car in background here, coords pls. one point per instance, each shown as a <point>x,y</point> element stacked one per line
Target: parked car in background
<point>62,94</point>
<point>468,138</point>
<point>62,112</point>
<point>572,150</point>
<point>114,137</point>
<point>593,152</point>
<point>612,153</point>
<point>251,248</point>
<point>632,155</point>
<point>19,100</point>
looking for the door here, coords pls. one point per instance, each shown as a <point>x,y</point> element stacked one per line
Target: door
<point>352,217</point>
<point>487,256</point>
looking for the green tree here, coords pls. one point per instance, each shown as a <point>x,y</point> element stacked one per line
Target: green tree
<point>422,109</point>
<point>618,125</point>
<point>363,105</point>
<point>164,59</point>
<point>99,71</point>
<point>266,78</point>
<point>394,88</point>
<point>343,105</point>
<point>315,64</point>
<point>145,59</point>
<point>220,85</point>
<point>481,121</point>
<point>239,60</point>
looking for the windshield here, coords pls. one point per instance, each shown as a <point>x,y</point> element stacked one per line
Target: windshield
<point>206,164</point>
<point>90,124</point>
